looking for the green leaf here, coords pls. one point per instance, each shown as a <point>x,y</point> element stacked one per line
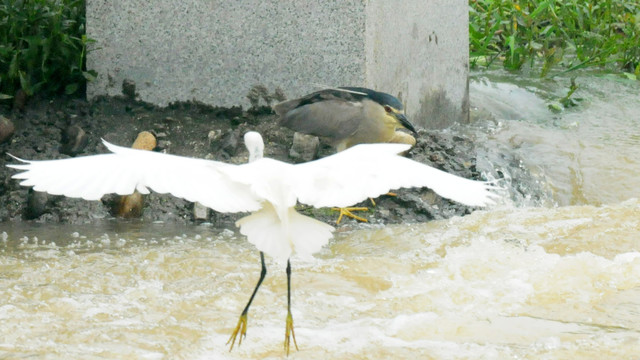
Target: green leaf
<point>5,96</point>
<point>90,75</point>
<point>13,66</point>
<point>543,6</point>
<point>71,88</point>
<point>555,107</point>
<point>24,84</point>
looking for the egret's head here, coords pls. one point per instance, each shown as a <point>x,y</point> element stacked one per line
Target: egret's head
<point>255,145</point>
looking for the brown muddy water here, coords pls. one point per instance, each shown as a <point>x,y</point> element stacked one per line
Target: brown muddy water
<point>558,280</point>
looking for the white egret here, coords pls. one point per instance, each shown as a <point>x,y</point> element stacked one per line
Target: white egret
<point>268,188</point>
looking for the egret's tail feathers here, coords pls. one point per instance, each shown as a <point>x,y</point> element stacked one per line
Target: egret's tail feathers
<point>307,234</point>
<point>264,230</point>
<point>279,239</point>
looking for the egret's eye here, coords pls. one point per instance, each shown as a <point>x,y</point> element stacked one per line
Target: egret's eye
<point>387,108</point>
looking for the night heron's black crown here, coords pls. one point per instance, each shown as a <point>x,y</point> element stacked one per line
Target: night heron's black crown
<point>377,96</point>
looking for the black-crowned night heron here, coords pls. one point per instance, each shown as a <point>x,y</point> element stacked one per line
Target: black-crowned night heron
<point>270,189</point>
<point>345,117</point>
<point>348,116</point>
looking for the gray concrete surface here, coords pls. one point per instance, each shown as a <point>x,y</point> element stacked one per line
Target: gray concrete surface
<point>216,51</point>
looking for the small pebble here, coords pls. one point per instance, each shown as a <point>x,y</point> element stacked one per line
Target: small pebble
<point>305,147</point>
<point>6,129</point>
<point>74,140</point>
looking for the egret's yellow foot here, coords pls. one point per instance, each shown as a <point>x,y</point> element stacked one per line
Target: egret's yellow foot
<point>348,212</point>
<point>289,334</point>
<point>241,329</point>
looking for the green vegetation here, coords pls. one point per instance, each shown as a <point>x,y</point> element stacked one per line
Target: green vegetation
<point>42,46</point>
<point>569,34</point>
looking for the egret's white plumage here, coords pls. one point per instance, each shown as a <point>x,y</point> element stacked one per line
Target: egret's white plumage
<point>269,188</point>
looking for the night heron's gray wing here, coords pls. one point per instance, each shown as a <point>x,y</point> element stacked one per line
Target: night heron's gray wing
<point>331,113</point>
<point>345,94</point>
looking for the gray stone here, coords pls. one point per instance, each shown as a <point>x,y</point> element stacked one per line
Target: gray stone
<point>6,129</point>
<point>227,144</point>
<point>304,148</point>
<point>200,212</point>
<point>216,52</point>
<point>36,203</point>
<point>129,88</point>
<point>74,140</point>
<point>214,135</point>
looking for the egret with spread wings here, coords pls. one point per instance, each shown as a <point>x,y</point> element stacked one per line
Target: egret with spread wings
<point>268,188</point>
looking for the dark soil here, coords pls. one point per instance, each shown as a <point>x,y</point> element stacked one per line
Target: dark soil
<point>63,127</point>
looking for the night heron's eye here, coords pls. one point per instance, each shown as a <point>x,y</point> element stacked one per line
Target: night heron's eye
<point>387,108</point>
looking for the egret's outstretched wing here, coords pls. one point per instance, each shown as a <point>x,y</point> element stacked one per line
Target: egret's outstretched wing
<point>126,170</point>
<point>370,170</point>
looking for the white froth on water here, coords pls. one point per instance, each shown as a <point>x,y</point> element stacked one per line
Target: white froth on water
<point>506,283</point>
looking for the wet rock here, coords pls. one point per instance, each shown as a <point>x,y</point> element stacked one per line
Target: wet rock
<point>187,129</point>
<point>213,136</point>
<point>164,144</point>
<point>36,204</point>
<point>74,140</point>
<point>129,206</point>
<point>228,145</point>
<point>6,129</point>
<point>129,89</point>
<point>200,212</point>
<point>305,147</point>
<point>145,141</point>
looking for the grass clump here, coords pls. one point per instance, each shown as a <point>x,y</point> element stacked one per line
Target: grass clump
<point>42,47</point>
<point>572,33</point>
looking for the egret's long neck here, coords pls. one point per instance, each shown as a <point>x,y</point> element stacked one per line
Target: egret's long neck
<point>255,154</point>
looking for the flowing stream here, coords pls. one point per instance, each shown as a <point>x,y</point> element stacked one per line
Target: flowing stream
<point>557,278</point>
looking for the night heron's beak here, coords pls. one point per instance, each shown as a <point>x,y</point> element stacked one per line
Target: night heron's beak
<point>405,122</point>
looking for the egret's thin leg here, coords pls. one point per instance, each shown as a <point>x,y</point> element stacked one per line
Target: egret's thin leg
<point>241,328</point>
<point>289,333</point>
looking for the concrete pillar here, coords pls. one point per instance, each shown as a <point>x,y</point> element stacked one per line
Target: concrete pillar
<point>216,51</point>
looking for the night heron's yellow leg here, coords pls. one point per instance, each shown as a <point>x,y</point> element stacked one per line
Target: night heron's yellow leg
<point>347,211</point>
<point>289,333</point>
<point>241,328</point>
<point>388,194</point>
